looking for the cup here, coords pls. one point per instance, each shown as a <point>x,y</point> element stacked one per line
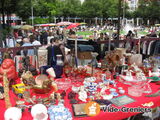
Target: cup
<point>51,72</point>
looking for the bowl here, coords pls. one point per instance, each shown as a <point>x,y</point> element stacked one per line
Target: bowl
<point>135,91</point>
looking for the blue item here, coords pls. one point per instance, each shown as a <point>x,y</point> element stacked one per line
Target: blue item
<point>114,93</point>
<point>53,63</point>
<point>43,69</point>
<point>58,70</point>
<point>59,112</point>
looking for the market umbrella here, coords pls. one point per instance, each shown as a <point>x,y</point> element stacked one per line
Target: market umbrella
<point>46,25</point>
<point>73,25</point>
<point>64,23</point>
<point>52,24</point>
<point>37,24</point>
<point>27,27</point>
<point>17,26</point>
<point>83,23</point>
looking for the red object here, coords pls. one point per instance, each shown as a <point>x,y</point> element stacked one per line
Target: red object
<point>103,115</point>
<point>8,66</point>
<point>74,25</point>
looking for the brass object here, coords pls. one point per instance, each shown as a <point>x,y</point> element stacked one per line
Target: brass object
<point>28,79</point>
<point>6,90</point>
<point>43,84</point>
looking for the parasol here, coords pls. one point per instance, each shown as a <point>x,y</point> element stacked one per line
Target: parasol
<point>17,26</point>
<point>63,23</point>
<point>27,27</point>
<point>83,23</point>
<point>73,25</point>
<point>46,25</point>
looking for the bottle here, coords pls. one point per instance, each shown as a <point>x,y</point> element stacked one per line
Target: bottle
<point>59,66</point>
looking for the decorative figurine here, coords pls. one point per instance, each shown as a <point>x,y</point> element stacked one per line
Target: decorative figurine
<point>43,84</point>
<point>103,90</point>
<point>8,66</point>
<point>28,79</point>
<point>82,94</point>
<point>26,66</point>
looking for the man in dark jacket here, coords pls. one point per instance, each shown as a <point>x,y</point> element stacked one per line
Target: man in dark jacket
<point>53,50</point>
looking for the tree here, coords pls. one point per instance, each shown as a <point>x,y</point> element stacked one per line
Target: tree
<point>91,8</point>
<point>68,8</point>
<point>2,3</point>
<point>7,7</point>
<point>148,10</point>
<point>24,9</point>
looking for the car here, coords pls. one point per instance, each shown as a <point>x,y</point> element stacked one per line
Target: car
<point>18,89</point>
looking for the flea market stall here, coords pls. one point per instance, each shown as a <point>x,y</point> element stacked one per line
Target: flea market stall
<point>44,87</point>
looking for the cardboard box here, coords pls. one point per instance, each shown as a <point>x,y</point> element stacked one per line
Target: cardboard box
<point>84,55</point>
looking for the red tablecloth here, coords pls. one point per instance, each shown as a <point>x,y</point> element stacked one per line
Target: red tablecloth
<point>103,115</point>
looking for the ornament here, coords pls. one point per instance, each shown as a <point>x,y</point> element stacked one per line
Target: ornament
<point>13,113</point>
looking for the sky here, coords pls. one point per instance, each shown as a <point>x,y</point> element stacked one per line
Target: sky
<point>82,1</point>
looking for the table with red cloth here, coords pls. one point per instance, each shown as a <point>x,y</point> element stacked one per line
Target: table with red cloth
<point>103,115</point>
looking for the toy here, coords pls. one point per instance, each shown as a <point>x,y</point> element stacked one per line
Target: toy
<point>19,89</point>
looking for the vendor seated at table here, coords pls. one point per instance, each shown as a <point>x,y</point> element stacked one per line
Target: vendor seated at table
<point>54,50</point>
<point>26,42</point>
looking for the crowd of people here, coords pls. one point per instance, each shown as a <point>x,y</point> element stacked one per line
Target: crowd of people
<point>44,36</point>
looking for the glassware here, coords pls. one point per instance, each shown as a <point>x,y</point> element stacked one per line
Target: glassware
<point>146,87</point>
<point>135,91</point>
<point>63,84</point>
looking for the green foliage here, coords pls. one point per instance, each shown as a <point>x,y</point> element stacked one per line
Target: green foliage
<point>24,9</point>
<point>38,20</point>
<point>148,9</point>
